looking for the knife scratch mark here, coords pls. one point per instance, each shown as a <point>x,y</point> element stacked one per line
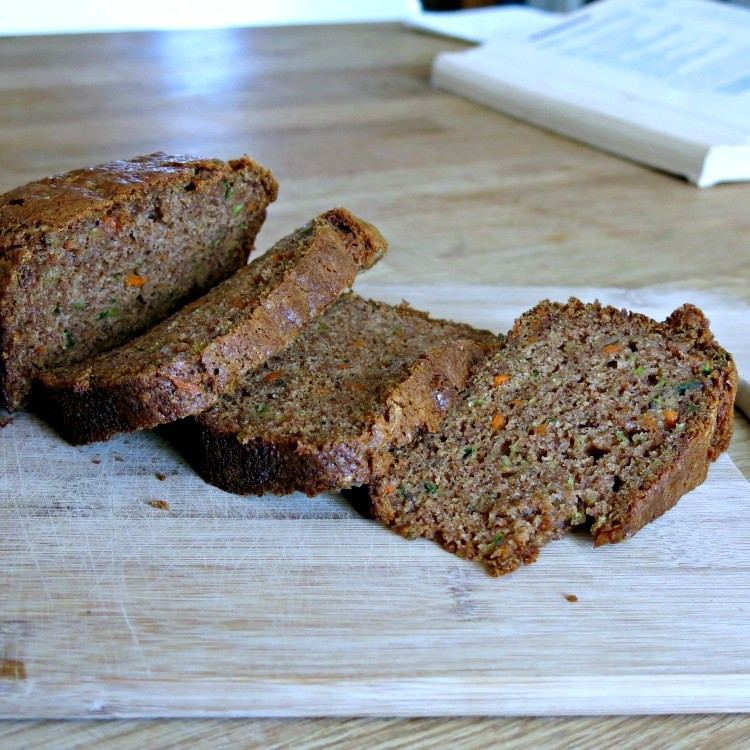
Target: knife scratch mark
<point>136,642</point>
<point>34,557</point>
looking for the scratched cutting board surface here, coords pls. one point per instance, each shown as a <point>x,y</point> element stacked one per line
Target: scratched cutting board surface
<point>224,605</point>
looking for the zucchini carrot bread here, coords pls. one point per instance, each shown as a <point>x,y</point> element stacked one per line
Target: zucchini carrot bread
<point>92,257</point>
<point>364,376</point>
<point>587,415</point>
<point>180,366</point>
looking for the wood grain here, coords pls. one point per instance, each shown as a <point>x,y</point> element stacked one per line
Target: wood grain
<point>345,115</point>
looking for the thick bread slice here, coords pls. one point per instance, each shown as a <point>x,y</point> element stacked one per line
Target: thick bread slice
<point>92,257</point>
<point>181,366</point>
<point>587,415</point>
<point>364,376</point>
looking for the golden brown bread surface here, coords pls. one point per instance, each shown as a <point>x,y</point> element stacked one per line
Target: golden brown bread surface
<point>92,257</point>
<point>364,376</point>
<point>588,415</point>
<point>180,366</point>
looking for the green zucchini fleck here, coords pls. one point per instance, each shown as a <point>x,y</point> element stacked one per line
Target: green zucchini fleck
<point>499,538</point>
<point>683,388</point>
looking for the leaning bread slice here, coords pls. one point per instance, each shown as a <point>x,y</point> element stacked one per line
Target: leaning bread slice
<point>587,415</point>
<point>364,376</point>
<point>179,367</point>
<point>92,257</point>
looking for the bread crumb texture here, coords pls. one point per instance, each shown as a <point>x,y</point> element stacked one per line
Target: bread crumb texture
<point>180,366</point>
<point>364,376</point>
<point>92,257</point>
<point>588,416</point>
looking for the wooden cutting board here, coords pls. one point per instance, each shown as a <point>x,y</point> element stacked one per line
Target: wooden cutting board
<point>231,606</point>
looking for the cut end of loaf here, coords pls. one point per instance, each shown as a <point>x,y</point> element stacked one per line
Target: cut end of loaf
<point>95,256</point>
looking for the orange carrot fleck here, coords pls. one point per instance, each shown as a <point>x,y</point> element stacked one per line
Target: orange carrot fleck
<point>499,421</point>
<point>358,343</point>
<point>388,489</point>
<point>541,429</point>
<point>341,366</point>
<point>500,379</point>
<point>184,385</point>
<point>113,222</point>
<point>670,417</point>
<point>647,421</point>
<point>134,280</point>
<point>612,348</point>
<point>273,376</point>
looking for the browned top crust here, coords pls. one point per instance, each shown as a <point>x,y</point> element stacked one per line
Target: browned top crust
<point>179,367</point>
<point>54,202</point>
<point>588,415</point>
<point>365,375</point>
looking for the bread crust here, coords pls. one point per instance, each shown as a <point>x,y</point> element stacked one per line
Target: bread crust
<point>41,224</point>
<point>270,302</point>
<point>86,193</point>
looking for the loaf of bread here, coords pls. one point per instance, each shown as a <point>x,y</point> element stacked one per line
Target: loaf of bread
<point>180,366</point>
<point>364,376</point>
<point>92,257</point>
<point>588,415</point>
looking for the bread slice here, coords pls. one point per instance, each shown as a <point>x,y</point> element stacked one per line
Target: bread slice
<point>92,257</point>
<point>587,415</point>
<point>179,367</point>
<point>364,376</point>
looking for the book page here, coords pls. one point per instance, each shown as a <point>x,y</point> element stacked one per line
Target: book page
<point>690,51</point>
<point>662,82</point>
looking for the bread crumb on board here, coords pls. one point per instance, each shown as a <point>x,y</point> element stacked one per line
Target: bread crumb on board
<point>571,597</point>
<point>158,504</point>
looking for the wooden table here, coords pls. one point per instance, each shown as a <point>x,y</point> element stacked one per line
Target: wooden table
<point>344,114</point>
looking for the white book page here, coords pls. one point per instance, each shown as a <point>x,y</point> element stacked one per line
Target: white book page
<point>668,70</point>
<point>692,54</point>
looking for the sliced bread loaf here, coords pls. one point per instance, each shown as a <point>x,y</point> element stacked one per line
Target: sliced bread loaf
<point>92,257</point>
<point>179,367</point>
<point>364,376</point>
<point>587,415</point>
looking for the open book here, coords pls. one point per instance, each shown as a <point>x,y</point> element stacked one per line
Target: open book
<point>662,82</point>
